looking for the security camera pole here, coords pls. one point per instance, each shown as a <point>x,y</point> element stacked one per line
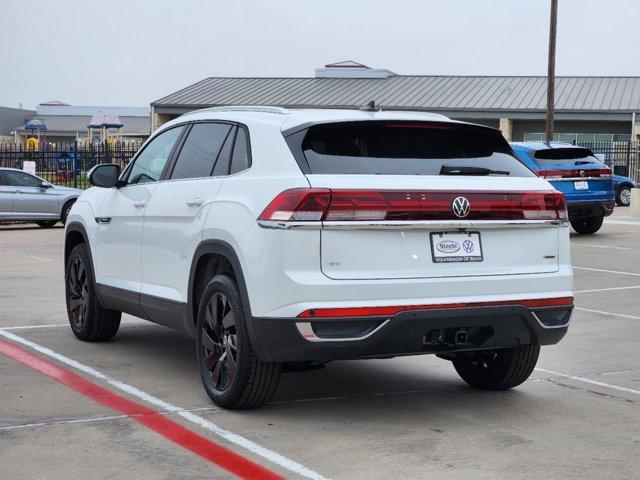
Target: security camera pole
<point>551,72</point>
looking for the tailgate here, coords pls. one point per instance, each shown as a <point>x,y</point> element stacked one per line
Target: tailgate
<point>436,248</point>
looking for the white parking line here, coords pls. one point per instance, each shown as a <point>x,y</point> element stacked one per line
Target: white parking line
<point>575,244</point>
<point>580,378</point>
<point>607,271</point>
<point>31,327</point>
<point>90,419</point>
<point>139,323</point>
<point>621,222</point>
<point>231,437</point>
<point>607,289</point>
<point>606,313</point>
<point>28,255</point>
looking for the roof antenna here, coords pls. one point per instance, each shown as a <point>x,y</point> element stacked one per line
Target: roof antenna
<point>369,107</point>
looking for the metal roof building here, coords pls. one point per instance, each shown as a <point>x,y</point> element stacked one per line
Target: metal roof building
<point>516,104</point>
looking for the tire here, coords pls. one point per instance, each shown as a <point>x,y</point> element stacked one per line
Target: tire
<point>65,211</point>
<point>497,369</point>
<point>47,223</point>
<point>232,375</point>
<point>587,225</point>
<point>623,196</point>
<point>89,321</point>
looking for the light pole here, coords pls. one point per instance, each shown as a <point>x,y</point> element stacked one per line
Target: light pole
<point>551,70</point>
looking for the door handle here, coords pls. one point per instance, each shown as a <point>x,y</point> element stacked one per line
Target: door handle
<point>195,202</point>
<point>139,204</point>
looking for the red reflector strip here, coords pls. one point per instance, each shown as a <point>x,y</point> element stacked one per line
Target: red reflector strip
<point>389,311</point>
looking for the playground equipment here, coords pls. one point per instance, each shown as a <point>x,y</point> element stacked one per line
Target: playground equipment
<point>39,128</point>
<point>104,125</point>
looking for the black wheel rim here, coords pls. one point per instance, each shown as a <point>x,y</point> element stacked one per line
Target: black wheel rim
<point>219,342</point>
<point>78,292</point>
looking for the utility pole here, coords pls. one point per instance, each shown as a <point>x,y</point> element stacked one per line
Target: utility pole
<point>551,70</point>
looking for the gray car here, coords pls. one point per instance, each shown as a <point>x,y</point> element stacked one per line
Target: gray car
<point>25,197</point>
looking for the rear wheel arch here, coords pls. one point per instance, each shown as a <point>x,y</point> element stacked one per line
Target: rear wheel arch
<point>213,257</point>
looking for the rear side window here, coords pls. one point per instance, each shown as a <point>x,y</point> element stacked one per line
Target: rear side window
<point>200,150</point>
<point>224,159</point>
<point>554,156</point>
<point>404,148</point>
<point>240,160</point>
<point>20,179</point>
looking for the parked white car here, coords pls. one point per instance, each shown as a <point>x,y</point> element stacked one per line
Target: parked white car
<point>27,198</point>
<point>274,236</point>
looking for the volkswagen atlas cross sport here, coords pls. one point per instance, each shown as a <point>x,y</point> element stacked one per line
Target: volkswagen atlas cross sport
<point>297,237</point>
<point>586,182</point>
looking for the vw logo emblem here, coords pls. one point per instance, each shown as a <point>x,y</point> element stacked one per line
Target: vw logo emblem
<point>583,173</point>
<point>460,207</point>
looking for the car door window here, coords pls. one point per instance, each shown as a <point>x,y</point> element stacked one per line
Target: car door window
<point>150,163</point>
<point>200,150</point>
<point>241,157</point>
<point>21,179</point>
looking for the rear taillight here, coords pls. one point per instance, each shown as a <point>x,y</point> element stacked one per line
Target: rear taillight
<point>560,174</point>
<point>298,205</point>
<point>319,204</point>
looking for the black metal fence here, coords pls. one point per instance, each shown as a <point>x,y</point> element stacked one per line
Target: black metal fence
<point>623,157</point>
<point>66,164</point>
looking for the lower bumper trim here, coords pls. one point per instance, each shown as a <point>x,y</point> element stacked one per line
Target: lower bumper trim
<point>407,333</point>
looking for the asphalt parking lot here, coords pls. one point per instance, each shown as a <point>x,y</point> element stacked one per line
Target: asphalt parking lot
<point>578,416</point>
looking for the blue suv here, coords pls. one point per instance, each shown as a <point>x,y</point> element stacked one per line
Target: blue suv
<point>585,181</point>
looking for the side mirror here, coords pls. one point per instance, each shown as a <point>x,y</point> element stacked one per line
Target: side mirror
<point>45,185</point>
<point>104,175</point>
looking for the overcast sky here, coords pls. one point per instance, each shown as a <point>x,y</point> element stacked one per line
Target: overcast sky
<point>129,53</point>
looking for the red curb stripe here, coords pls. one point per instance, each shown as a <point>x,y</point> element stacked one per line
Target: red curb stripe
<point>152,419</point>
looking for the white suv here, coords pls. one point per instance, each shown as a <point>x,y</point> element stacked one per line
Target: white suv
<point>299,237</point>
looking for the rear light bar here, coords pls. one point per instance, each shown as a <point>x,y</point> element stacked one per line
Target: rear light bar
<point>323,204</point>
<point>560,174</point>
<point>390,311</point>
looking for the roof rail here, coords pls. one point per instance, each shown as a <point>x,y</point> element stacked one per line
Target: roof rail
<point>250,108</point>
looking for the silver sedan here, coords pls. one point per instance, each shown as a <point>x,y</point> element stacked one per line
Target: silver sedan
<point>25,197</point>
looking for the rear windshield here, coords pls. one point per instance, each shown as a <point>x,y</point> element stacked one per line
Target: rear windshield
<point>554,156</point>
<point>404,148</point>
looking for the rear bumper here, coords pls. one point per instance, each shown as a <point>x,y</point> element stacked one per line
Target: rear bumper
<point>590,209</point>
<point>409,332</point>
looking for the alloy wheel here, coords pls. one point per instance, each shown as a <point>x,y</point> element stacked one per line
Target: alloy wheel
<point>78,292</point>
<point>625,196</point>
<point>219,341</point>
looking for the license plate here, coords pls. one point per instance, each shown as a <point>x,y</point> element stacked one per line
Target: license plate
<point>455,247</point>
<point>581,185</point>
